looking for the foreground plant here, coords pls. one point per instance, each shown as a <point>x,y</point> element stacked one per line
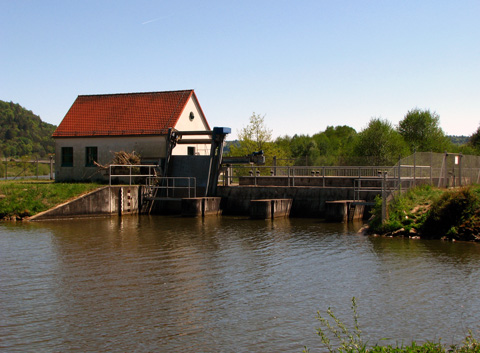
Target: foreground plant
<point>329,333</point>
<point>336,337</point>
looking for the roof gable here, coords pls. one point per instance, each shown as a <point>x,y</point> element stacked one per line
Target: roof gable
<point>150,113</point>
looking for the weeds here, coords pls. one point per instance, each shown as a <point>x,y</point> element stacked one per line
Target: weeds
<point>336,337</point>
<point>349,340</point>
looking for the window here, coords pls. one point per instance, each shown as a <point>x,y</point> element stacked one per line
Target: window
<point>191,151</point>
<point>67,156</point>
<point>90,156</point>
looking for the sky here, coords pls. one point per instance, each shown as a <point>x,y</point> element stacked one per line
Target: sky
<point>303,65</point>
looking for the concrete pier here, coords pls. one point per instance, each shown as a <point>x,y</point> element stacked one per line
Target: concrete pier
<point>201,206</point>
<point>270,208</point>
<point>344,210</point>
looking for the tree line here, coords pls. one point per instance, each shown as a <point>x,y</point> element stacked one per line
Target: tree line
<point>380,143</point>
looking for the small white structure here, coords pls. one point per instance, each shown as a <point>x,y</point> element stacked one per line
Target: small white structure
<point>96,126</point>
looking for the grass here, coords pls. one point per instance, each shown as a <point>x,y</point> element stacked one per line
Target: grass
<point>431,212</point>
<point>336,337</point>
<point>25,198</point>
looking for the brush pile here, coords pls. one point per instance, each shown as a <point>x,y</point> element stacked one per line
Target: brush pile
<point>125,158</point>
<point>122,158</point>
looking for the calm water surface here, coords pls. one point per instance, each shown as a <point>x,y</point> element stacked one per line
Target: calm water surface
<point>157,284</point>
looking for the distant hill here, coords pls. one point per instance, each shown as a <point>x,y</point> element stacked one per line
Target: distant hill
<point>23,133</point>
<point>459,140</point>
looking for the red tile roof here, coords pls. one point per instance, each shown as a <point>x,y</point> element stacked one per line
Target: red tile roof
<point>150,113</point>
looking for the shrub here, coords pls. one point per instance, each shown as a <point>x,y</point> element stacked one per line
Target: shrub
<point>450,212</point>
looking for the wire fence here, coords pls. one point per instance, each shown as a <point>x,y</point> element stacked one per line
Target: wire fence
<point>21,168</point>
<point>438,169</point>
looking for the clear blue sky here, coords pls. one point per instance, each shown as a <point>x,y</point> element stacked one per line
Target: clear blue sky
<point>305,65</point>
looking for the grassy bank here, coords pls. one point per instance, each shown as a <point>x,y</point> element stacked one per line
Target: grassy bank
<point>19,199</point>
<point>432,213</point>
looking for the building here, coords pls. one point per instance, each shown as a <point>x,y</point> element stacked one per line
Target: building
<point>97,126</point>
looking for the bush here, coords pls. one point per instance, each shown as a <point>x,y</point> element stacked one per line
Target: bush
<point>406,210</point>
<point>455,210</point>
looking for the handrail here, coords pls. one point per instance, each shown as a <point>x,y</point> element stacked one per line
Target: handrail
<point>151,171</point>
<point>170,185</point>
<point>292,172</point>
<point>358,188</point>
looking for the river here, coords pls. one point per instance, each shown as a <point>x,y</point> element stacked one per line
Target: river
<point>224,284</point>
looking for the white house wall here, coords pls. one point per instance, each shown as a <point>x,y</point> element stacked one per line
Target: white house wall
<point>149,148</point>
<point>198,123</point>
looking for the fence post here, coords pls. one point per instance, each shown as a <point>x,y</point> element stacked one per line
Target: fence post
<point>414,167</point>
<point>431,168</point>
<point>324,176</point>
<point>384,197</point>
<point>399,172</point>
<point>446,169</point>
<point>51,167</point>
<point>460,168</point>
<point>6,167</point>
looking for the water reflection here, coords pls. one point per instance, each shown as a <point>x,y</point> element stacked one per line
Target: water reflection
<point>223,284</point>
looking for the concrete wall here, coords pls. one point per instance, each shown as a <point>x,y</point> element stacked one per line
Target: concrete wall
<point>149,148</point>
<point>104,201</point>
<point>307,201</point>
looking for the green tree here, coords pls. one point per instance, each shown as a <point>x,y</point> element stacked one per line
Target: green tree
<point>421,130</point>
<point>304,150</point>
<point>335,144</point>
<point>255,137</point>
<point>474,140</point>
<point>380,142</point>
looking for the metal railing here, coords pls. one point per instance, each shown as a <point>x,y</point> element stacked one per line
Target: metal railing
<point>378,185</point>
<point>122,171</point>
<point>233,173</point>
<point>170,187</point>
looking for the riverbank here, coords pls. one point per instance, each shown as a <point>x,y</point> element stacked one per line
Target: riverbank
<point>21,199</point>
<point>431,213</point>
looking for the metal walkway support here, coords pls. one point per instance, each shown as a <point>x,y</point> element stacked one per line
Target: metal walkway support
<point>216,154</point>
